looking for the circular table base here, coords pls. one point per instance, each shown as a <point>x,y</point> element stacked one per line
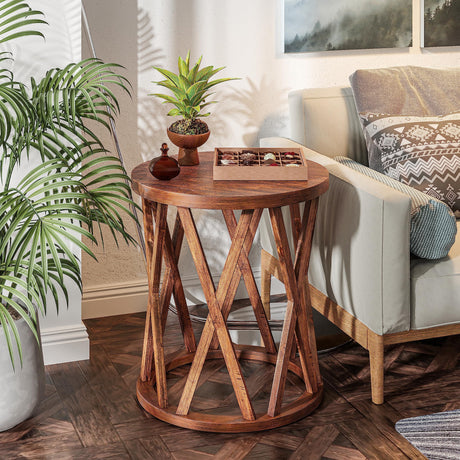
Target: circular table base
<point>228,422</point>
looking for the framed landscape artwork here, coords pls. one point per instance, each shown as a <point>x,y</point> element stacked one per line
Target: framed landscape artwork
<point>319,25</point>
<point>441,23</point>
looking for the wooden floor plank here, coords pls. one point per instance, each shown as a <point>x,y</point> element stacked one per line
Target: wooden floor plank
<point>384,418</point>
<point>109,452</point>
<point>89,410</point>
<point>109,387</point>
<point>341,453</point>
<point>316,443</point>
<point>34,447</point>
<point>191,455</point>
<point>369,440</point>
<point>237,449</point>
<point>89,416</point>
<point>152,448</point>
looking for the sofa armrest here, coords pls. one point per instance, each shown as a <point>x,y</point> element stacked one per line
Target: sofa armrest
<point>361,254</point>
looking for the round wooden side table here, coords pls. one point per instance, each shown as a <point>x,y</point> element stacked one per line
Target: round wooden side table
<point>170,399</point>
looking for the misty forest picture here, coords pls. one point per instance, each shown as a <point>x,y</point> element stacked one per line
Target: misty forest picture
<point>442,19</point>
<point>319,25</point>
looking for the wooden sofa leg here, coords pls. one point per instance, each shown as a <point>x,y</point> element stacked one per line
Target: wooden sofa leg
<point>376,358</point>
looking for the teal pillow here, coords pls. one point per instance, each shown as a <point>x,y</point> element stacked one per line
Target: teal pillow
<point>433,224</point>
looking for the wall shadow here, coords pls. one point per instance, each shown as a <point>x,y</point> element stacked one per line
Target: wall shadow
<point>252,105</point>
<point>151,113</point>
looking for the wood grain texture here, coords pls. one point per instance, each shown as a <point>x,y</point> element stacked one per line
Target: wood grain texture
<point>227,300</point>
<point>296,220</point>
<point>88,415</point>
<point>414,386</point>
<point>147,354</point>
<point>225,294</point>
<point>284,356</point>
<point>154,308</point>
<point>316,443</point>
<point>270,266</point>
<point>217,322</point>
<point>265,281</point>
<point>298,298</point>
<point>309,358</point>
<point>376,361</point>
<point>244,268</point>
<point>337,315</point>
<point>372,443</point>
<point>195,188</point>
<point>172,285</point>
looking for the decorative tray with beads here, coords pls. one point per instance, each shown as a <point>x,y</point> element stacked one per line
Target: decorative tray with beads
<point>259,164</point>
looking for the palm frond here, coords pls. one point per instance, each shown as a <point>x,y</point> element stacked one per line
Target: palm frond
<point>78,188</point>
<point>16,17</point>
<point>78,91</point>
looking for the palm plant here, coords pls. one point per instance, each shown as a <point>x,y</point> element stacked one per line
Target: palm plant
<point>76,189</point>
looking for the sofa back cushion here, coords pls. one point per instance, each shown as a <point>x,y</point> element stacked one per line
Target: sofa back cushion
<point>407,90</point>
<point>325,120</point>
<point>411,121</point>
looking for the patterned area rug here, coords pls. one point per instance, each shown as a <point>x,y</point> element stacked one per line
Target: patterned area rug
<point>437,436</point>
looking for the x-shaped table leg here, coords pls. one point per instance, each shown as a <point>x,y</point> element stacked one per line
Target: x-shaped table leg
<point>298,311</point>
<point>219,302</point>
<point>242,261</point>
<point>147,355</point>
<point>244,269</point>
<point>153,330</point>
<point>172,284</point>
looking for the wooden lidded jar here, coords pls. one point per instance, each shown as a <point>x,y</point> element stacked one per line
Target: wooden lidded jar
<point>164,167</point>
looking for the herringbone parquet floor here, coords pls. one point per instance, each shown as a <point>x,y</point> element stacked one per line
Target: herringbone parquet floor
<point>90,411</point>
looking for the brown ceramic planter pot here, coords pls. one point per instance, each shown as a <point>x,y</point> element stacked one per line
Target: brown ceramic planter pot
<point>188,143</point>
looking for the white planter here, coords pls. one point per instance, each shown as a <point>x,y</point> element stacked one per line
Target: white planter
<point>22,389</point>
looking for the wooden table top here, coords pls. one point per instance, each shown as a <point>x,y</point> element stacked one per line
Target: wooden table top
<point>194,187</point>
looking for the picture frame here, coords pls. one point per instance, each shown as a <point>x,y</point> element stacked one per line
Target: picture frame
<point>316,25</point>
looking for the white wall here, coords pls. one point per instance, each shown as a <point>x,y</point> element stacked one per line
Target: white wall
<point>64,336</point>
<point>117,283</point>
<point>246,36</point>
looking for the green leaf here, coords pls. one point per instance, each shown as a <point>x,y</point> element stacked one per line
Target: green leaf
<point>11,20</point>
<point>173,78</point>
<point>74,191</point>
<point>192,76</point>
<point>183,67</point>
<point>190,88</point>
<point>174,113</point>
<point>187,59</point>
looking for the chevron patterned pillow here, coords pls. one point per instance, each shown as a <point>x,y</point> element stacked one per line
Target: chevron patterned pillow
<point>422,152</point>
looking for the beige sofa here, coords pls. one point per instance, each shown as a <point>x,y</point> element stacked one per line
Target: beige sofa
<point>362,275</point>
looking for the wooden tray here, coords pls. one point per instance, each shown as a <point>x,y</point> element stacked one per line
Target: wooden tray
<point>240,167</point>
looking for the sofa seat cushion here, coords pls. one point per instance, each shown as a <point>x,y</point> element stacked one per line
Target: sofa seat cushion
<point>435,290</point>
<point>433,227</point>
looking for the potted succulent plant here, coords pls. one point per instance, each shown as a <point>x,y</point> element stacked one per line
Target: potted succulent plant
<point>190,88</point>
<point>76,189</point>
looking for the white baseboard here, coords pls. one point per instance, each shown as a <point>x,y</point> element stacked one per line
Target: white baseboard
<point>114,299</point>
<point>132,297</point>
<point>71,343</point>
<point>67,344</point>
